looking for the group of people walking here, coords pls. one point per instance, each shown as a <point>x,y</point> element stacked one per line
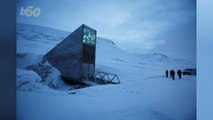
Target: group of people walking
<point>172,74</point>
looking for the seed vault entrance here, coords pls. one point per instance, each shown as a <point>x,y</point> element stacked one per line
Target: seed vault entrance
<point>75,56</point>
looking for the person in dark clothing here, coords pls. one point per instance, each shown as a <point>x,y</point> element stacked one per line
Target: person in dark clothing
<point>179,72</point>
<point>173,74</point>
<point>167,73</point>
<point>170,73</point>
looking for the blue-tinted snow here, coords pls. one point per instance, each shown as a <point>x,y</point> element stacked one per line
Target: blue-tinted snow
<point>144,92</point>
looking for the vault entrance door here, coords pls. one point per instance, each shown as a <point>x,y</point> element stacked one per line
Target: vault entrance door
<point>88,69</point>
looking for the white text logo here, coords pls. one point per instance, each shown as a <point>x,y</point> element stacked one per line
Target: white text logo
<point>30,11</point>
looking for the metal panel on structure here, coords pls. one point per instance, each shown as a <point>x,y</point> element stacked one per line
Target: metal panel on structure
<point>67,55</point>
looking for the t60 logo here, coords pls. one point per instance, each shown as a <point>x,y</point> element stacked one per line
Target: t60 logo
<point>30,11</point>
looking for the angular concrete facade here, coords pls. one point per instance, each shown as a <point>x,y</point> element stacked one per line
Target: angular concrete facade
<point>75,55</point>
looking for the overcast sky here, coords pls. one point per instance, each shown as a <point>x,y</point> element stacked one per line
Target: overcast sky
<point>138,26</point>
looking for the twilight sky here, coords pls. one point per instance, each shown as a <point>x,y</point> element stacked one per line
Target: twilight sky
<point>137,26</point>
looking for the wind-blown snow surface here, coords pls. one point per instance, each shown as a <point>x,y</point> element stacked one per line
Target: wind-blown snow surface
<point>144,92</point>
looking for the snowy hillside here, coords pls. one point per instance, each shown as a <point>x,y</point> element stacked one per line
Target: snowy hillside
<point>144,92</point>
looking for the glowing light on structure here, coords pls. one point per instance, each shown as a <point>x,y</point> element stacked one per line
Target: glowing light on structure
<point>89,36</point>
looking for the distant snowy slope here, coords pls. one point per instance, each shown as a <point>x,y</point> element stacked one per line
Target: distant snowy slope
<point>39,40</point>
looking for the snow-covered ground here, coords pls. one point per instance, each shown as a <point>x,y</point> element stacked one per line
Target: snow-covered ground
<point>143,94</point>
